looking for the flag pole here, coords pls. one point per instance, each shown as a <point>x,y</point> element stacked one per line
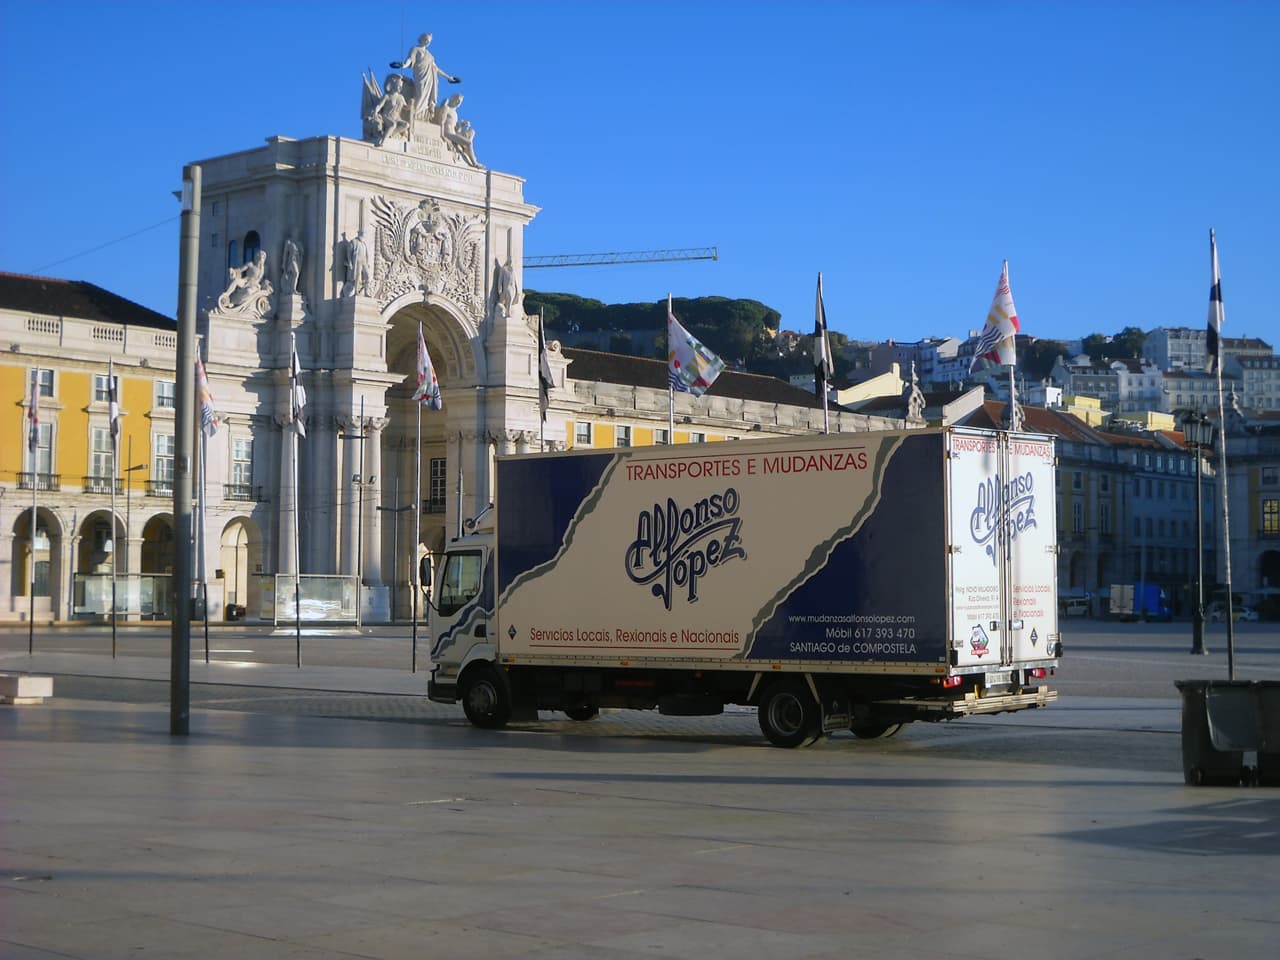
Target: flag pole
<point>33,446</point>
<point>671,391</point>
<point>1216,313</point>
<point>115,470</point>
<point>417,532</point>
<point>201,569</point>
<point>295,375</point>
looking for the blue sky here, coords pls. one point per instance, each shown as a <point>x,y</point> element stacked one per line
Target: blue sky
<point>902,148</point>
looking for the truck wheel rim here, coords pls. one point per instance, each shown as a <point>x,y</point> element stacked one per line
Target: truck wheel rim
<point>786,714</point>
<point>483,698</point>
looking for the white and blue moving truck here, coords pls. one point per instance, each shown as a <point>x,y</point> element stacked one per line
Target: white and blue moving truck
<point>845,582</point>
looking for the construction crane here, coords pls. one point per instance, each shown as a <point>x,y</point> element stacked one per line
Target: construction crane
<point>635,256</point>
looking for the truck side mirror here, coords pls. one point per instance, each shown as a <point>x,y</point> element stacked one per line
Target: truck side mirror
<point>425,577</point>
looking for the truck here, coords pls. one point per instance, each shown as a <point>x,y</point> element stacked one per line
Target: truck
<point>1139,601</point>
<point>856,581</point>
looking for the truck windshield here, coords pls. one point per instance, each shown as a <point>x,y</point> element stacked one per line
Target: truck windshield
<point>460,580</point>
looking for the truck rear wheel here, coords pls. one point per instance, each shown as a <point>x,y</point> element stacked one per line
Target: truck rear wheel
<point>582,712</point>
<point>789,715</point>
<point>485,698</point>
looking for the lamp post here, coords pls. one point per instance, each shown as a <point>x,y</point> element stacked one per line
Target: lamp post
<point>1197,429</point>
<point>128,524</point>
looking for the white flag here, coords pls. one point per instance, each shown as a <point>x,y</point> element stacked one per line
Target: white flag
<point>823,368</point>
<point>1213,336</point>
<point>997,341</point>
<point>113,401</point>
<point>297,395</point>
<point>545,379</point>
<point>691,367</point>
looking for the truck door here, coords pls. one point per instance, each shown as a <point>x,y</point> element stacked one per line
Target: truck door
<point>463,604</point>
<point>1002,569</point>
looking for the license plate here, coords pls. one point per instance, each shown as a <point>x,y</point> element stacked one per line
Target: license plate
<point>999,678</point>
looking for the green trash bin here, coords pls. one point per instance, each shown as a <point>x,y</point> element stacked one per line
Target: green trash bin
<point>1268,694</point>
<point>1219,722</point>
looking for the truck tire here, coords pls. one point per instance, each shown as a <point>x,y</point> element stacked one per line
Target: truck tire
<point>789,715</point>
<point>582,712</point>
<point>485,698</point>
<point>874,729</point>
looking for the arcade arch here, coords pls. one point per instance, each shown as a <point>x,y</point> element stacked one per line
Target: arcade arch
<point>240,560</point>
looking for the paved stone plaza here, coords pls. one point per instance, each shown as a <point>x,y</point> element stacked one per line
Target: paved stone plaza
<point>1063,833</point>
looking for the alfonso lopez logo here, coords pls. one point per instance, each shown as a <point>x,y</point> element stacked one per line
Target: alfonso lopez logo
<point>1019,506</point>
<point>676,546</point>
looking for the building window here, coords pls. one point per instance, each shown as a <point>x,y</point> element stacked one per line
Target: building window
<point>241,487</point>
<point>436,486</point>
<point>1270,476</point>
<point>661,437</point>
<point>1077,480</point>
<point>44,382</point>
<point>162,463</point>
<point>44,453</point>
<point>697,438</point>
<point>100,461</point>
<point>165,394</point>
<point>621,436</point>
<point>1077,517</point>
<point>1104,518</point>
<point>1104,483</point>
<point>251,245</point>
<point>1271,518</point>
<point>233,253</point>
<point>581,434</point>
<point>102,389</point>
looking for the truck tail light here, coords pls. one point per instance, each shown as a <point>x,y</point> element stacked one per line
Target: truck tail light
<point>950,683</point>
<point>1037,673</point>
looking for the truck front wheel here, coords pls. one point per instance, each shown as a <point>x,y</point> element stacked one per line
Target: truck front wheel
<point>789,715</point>
<point>485,698</point>
<point>873,729</point>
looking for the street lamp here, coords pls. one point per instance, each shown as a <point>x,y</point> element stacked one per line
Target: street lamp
<point>1197,430</point>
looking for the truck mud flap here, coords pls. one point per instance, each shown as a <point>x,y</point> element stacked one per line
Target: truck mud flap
<point>973,705</point>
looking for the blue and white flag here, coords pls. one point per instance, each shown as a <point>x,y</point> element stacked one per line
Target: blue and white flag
<point>823,367</point>
<point>427,391</point>
<point>297,395</point>
<point>204,400</point>
<point>1213,336</point>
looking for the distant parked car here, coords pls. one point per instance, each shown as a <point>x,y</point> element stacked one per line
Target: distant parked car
<point>1218,613</point>
<point>1075,607</point>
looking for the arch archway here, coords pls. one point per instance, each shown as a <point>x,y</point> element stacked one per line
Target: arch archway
<point>96,550</point>
<point>1269,577</point>
<point>240,560</point>
<point>43,559</point>
<point>157,545</point>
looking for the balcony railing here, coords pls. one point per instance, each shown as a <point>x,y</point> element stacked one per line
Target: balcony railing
<point>242,491</point>
<point>100,485</point>
<point>40,481</point>
<point>159,488</point>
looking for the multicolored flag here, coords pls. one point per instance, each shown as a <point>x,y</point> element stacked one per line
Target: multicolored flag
<point>545,379</point>
<point>427,391</point>
<point>823,368</point>
<point>297,395</point>
<point>691,367</point>
<point>204,398</point>
<point>113,401</point>
<point>1213,336</point>
<point>996,342</point>
<point>33,414</point>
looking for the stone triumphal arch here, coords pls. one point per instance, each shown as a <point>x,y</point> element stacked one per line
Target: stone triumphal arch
<point>343,249</point>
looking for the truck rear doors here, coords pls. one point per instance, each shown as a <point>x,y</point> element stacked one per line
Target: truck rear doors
<point>1002,535</point>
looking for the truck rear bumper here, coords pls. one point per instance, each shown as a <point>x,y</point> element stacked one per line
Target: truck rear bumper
<point>973,705</point>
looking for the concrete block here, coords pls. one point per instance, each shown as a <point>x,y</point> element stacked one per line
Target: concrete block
<point>22,689</point>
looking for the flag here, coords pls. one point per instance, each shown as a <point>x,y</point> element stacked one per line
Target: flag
<point>1213,338</point>
<point>691,367</point>
<point>427,392</point>
<point>113,401</point>
<point>297,395</point>
<point>204,397</point>
<point>33,414</point>
<point>996,343</point>
<point>823,368</point>
<point>545,380</point>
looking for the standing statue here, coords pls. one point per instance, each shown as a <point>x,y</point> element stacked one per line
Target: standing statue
<point>357,263</point>
<point>425,73</point>
<point>291,268</point>
<point>504,286</point>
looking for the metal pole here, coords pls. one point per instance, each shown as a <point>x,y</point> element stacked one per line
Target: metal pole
<point>184,417</point>
<point>1226,530</point>
<point>203,572</point>
<point>360,525</point>
<point>1197,621</point>
<point>115,472</point>
<point>128,507</point>
<point>415,577</point>
<point>33,446</point>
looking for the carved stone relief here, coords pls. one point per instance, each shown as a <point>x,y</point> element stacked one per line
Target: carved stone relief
<point>422,247</point>
<point>249,292</point>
